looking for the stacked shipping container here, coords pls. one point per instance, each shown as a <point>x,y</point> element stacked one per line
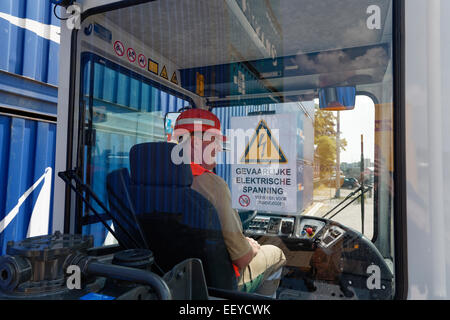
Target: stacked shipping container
<point>29,34</point>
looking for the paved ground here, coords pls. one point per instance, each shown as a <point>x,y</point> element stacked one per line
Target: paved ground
<point>324,200</point>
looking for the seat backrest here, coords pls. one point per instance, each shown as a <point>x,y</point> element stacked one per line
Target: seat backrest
<point>178,222</point>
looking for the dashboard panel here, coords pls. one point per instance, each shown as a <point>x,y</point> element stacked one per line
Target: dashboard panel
<point>332,235</point>
<point>310,229</point>
<point>321,254</point>
<point>267,225</point>
<point>301,228</point>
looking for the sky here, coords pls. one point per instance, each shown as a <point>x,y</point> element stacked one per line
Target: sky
<point>360,120</point>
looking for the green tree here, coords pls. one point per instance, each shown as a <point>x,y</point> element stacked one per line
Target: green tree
<point>326,153</point>
<point>324,124</point>
<point>325,141</point>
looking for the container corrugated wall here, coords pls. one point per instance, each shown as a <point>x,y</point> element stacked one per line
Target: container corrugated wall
<point>27,158</point>
<point>30,39</point>
<point>29,58</point>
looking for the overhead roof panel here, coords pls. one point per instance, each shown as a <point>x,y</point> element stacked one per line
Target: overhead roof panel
<point>210,32</point>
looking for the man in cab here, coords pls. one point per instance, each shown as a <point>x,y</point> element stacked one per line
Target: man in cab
<point>258,268</point>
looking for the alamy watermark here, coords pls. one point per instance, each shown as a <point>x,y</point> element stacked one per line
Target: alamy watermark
<point>374,280</point>
<point>74,279</point>
<point>374,20</point>
<point>204,147</point>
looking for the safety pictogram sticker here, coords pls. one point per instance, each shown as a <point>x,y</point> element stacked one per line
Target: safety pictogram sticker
<point>263,147</point>
<point>164,73</point>
<point>174,78</point>
<point>244,201</point>
<point>131,55</point>
<point>153,66</point>
<point>119,48</point>
<point>142,60</point>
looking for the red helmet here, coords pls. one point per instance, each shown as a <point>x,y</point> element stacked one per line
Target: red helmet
<point>201,120</point>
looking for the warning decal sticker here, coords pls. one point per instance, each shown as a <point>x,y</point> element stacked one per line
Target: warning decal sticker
<point>142,60</point>
<point>174,78</point>
<point>119,48</point>
<point>262,178</point>
<point>164,73</point>
<point>131,55</point>
<point>153,66</point>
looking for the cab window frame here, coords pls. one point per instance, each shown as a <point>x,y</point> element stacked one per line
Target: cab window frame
<point>83,219</point>
<point>72,221</point>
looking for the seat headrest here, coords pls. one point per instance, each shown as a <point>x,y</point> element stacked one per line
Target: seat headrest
<point>151,164</point>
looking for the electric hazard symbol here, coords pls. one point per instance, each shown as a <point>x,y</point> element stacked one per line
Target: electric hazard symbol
<point>164,73</point>
<point>263,147</point>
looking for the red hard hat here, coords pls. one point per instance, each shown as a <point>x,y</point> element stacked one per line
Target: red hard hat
<point>201,120</point>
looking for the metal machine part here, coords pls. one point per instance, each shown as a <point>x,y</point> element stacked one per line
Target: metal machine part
<point>134,258</point>
<point>36,266</point>
<point>132,275</point>
<point>187,281</point>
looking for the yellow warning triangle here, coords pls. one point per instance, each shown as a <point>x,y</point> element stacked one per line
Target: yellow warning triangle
<point>164,73</point>
<point>263,147</point>
<point>174,78</point>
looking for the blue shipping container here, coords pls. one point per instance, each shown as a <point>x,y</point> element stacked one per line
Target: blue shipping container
<point>29,33</point>
<point>27,158</point>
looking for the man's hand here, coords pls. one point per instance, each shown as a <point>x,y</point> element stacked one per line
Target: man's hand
<point>244,261</point>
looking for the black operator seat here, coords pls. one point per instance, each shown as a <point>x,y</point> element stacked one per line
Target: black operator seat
<point>177,222</point>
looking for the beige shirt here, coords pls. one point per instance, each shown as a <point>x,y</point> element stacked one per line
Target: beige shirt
<point>216,190</point>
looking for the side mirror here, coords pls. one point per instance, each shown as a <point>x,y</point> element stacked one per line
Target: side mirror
<point>337,99</point>
<point>169,124</point>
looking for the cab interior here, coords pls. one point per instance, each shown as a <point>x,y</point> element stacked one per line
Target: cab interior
<point>140,65</point>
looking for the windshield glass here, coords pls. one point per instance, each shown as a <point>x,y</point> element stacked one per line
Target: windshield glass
<point>302,95</point>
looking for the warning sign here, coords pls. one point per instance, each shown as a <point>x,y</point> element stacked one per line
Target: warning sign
<point>119,48</point>
<point>244,201</point>
<point>153,66</point>
<point>131,55</point>
<point>174,78</point>
<point>264,177</point>
<point>142,60</point>
<point>263,147</point>
<point>164,73</point>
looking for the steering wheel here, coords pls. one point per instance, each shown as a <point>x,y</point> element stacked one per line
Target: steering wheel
<point>252,215</point>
